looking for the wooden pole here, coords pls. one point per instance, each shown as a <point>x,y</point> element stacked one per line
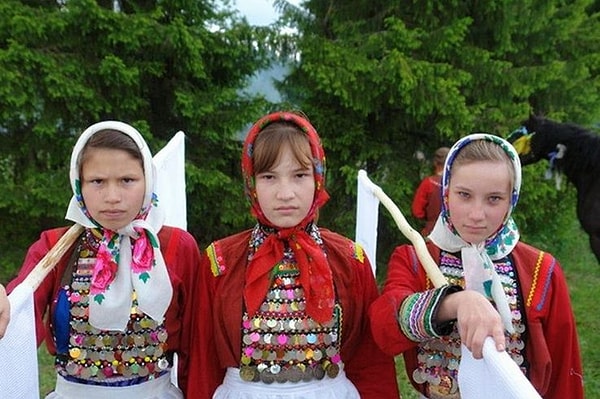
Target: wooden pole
<point>47,263</point>
<point>431,268</point>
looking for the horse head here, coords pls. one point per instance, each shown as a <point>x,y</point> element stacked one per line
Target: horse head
<point>540,138</point>
<point>570,149</point>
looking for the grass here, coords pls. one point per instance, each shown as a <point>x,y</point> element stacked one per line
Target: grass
<point>583,276</point>
<point>46,371</point>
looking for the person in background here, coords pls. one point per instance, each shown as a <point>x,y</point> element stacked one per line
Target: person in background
<point>283,306</point>
<point>497,287</point>
<point>116,307</point>
<point>427,200</point>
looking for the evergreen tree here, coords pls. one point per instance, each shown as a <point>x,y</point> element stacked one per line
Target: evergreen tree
<point>162,66</point>
<point>384,79</point>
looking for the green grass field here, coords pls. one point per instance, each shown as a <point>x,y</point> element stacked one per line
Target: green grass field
<point>583,275</point>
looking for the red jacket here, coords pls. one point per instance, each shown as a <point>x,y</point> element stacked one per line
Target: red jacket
<point>182,257</point>
<point>427,202</point>
<point>220,310</point>
<point>552,347</point>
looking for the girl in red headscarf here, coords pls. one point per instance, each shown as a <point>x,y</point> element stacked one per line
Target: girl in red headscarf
<point>283,307</point>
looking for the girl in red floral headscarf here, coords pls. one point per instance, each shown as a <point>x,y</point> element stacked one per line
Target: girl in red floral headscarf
<point>283,305</point>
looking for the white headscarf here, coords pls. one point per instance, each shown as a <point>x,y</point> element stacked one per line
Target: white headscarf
<point>477,259</point>
<point>110,307</point>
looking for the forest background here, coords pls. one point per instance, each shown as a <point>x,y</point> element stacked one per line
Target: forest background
<point>381,80</point>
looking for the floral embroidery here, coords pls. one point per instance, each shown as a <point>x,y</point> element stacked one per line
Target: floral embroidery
<point>143,256</point>
<point>104,273</point>
<point>359,253</point>
<point>216,259</point>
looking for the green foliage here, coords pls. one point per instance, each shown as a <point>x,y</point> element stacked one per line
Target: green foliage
<point>382,80</point>
<point>379,80</point>
<point>544,225</point>
<point>160,66</point>
<point>47,373</point>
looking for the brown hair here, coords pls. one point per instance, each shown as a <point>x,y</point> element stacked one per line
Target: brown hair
<point>270,141</point>
<point>484,150</point>
<point>439,156</point>
<point>111,139</point>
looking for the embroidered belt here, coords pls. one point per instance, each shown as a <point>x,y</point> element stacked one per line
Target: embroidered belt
<point>295,373</point>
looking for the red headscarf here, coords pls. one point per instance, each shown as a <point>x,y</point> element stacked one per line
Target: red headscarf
<point>315,273</point>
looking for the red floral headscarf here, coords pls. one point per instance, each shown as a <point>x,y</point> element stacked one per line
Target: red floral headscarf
<point>318,160</point>
<point>315,273</point>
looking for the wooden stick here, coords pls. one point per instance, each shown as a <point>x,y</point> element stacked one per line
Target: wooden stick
<point>47,263</point>
<point>431,268</point>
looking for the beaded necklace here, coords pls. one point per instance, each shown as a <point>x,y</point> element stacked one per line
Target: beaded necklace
<point>438,359</point>
<point>102,357</point>
<point>281,342</point>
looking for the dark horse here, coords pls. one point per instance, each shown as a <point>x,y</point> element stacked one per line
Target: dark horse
<point>574,151</point>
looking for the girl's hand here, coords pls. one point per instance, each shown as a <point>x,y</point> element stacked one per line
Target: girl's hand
<point>4,311</point>
<point>476,319</point>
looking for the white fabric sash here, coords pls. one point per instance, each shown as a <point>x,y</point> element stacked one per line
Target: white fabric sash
<point>495,376</point>
<point>18,348</point>
<point>367,214</point>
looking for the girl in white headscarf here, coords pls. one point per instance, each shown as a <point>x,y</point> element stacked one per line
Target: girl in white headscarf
<point>497,286</point>
<point>118,303</point>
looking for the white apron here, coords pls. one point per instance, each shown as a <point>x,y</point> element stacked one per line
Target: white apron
<point>234,387</point>
<point>158,388</point>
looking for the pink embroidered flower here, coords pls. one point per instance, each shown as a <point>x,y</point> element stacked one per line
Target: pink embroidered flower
<point>105,271</point>
<point>143,254</point>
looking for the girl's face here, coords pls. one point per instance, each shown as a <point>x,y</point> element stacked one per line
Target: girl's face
<point>479,198</point>
<point>113,186</point>
<point>285,193</point>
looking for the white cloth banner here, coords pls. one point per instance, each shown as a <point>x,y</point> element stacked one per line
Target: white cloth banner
<point>170,182</point>
<point>170,190</point>
<point>495,376</point>
<point>367,214</point>
<point>18,349</point>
